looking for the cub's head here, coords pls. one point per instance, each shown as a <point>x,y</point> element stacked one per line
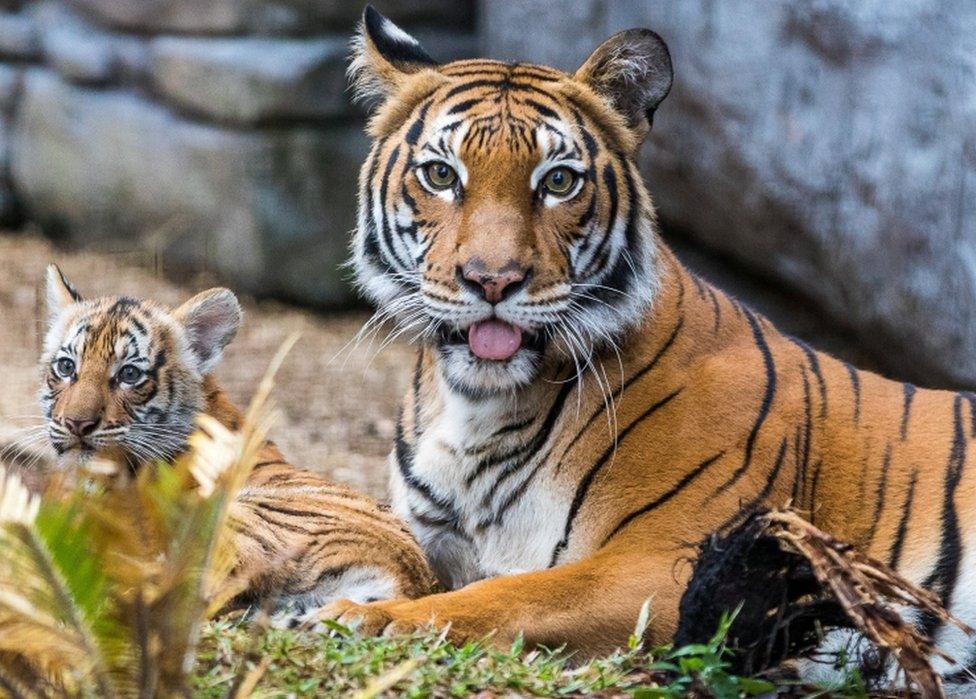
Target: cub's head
<point>502,218</point>
<point>123,378</point>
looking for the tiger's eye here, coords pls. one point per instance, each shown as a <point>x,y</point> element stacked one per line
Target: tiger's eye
<point>559,180</point>
<point>440,175</point>
<point>64,367</point>
<point>129,374</point>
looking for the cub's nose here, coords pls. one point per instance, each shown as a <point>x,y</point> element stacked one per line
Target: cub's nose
<point>493,286</point>
<point>80,428</point>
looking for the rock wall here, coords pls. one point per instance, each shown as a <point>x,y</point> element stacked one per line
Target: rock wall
<point>215,133</point>
<point>828,144</point>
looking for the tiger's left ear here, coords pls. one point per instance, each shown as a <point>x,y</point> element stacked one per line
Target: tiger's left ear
<point>210,319</point>
<point>632,70</point>
<point>59,292</point>
<point>383,56</point>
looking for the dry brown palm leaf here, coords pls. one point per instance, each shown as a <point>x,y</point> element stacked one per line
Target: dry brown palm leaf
<point>792,582</point>
<point>867,591</point>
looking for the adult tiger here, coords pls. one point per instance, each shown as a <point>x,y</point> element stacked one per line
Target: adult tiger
<point>584,410</point>
<point>125,379</point>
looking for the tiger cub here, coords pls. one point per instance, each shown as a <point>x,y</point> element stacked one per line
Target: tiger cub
<point>125,379</point>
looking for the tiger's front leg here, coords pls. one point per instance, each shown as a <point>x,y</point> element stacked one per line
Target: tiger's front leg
<point>590,606</point>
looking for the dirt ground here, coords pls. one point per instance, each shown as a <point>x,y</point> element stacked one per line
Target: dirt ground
<point>337,409</point>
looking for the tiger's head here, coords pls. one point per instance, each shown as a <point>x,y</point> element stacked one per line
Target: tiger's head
<point>123,378</point>
<point>502,218</point>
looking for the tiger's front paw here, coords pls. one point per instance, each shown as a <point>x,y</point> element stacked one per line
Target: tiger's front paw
<point>399,617</point>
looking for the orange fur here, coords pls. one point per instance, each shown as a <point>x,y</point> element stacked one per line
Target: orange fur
<point>301,538</point>
<point>712,413</point>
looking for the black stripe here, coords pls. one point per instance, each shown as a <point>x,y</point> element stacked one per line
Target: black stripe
<point>499,85</point>
<point>616,394</point>
<point>717,308</point>
<point>909,393</point>
<point>971,397</point>
<point>417,376</point>
<point>404,455</point>
<point>743,513</point>
<point>626,266</point>
<point>584,485</point>
<point>541,108</point>
<point>532,447</point>
<point>879,495</point>
<point>385,228</point>
<point>814,363</point>
<point>599,253</point>
<point>513,427</point>
<point>417,127</point>
<point>814,484</point>
<point>463,106</point>
<point>764,407</point>
<point>371,245</point>
<point>894,558</point>
<point>856,388</point>
<point>807,436</point>
<point>946,573</point>
<point>665,497</point>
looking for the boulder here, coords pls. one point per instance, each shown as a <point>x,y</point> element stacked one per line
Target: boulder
<point>19,38</point>
<point>296,17</point>
<point>261,80</point>
<point>268,209</point>
<point>83,52</point>
<point>830,145</point>
<point>252,79</point>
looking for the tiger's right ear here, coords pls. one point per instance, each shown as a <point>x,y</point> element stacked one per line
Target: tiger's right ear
<point>60,293</point>
<point>383,57</point>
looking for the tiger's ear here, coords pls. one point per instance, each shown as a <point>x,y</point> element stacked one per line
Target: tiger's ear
<point>632,70</point>
<point>210,319</point>
<point>383,56</point>
<point>60,294</point>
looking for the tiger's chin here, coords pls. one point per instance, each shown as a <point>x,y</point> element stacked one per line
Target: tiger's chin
<point>475,377</point>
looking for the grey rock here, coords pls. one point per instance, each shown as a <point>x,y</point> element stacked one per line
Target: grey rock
<point>269,210</point>
<point>19,38</point>
<point>83,52</point>
<point>252,79</point>
<point>11,78</point>
<point>255,80</point>
<point>826,143</point>
<point>300,17</point>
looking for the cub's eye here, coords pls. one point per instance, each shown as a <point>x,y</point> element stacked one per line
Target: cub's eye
<point>559,180</point>
<point>65,368</point>
<point>440,175</point>
<point>129,374</point>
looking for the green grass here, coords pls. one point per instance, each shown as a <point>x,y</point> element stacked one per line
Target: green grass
<point>305,663</point>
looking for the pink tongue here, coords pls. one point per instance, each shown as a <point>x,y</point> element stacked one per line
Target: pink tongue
<point>494,339</point>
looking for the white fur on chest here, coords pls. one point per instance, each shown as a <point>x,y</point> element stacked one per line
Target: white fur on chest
<point>523,507</point>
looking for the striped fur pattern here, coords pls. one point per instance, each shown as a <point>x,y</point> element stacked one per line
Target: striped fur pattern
<point>557,490</point>
<point>125,379</point>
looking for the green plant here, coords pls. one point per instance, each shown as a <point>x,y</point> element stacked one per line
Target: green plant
<point>704,669</point>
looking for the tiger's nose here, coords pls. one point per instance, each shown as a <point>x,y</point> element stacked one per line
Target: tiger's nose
<point>80,428</point>
<point>493,286</point>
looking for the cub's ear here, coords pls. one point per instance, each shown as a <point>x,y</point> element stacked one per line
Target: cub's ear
<point>60,293</point>
<point>211,319</point>
<point>383,56</point>
<point>632,70</point>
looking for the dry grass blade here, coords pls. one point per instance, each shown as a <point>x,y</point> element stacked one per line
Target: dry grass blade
<point>866,589</point>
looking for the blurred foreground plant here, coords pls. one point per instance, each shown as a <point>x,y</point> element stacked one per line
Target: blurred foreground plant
<point>104,586</point>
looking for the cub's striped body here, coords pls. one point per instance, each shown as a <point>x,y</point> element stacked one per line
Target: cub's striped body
<point>125,379</point>
<point>584,411</point>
